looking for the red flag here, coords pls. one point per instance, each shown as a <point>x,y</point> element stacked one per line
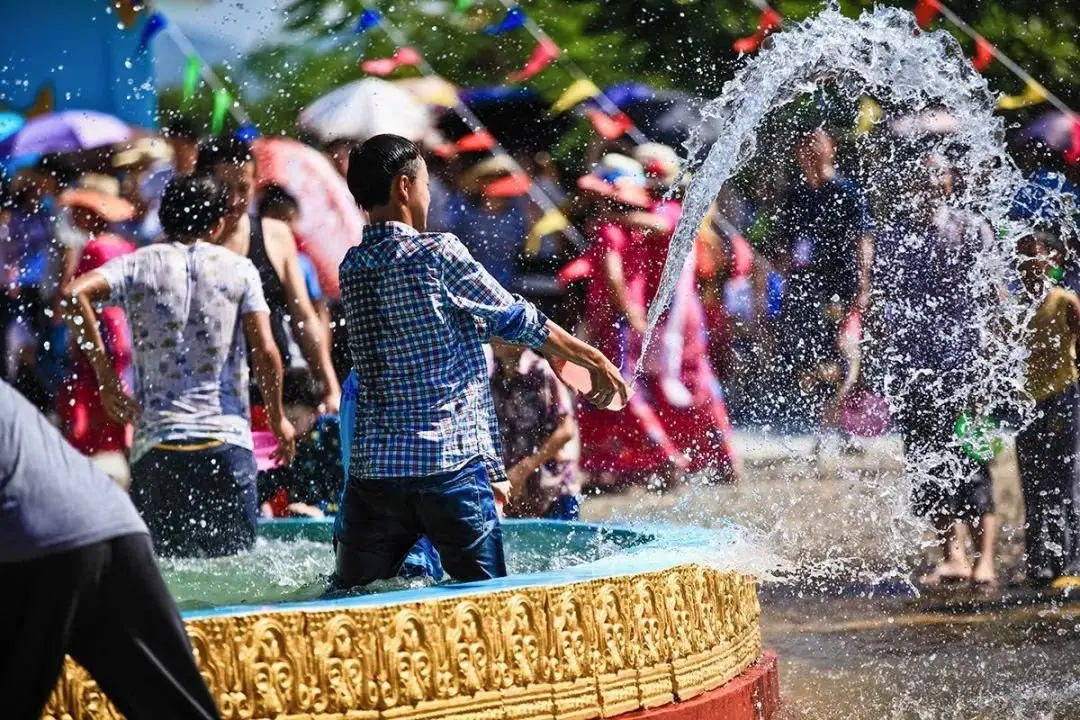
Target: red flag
<point>926,11</point>
<point>384,66</point>
<point>770,20</point>
<point>610,127</point>
<point>1072,155</point>
<point>543,55</point>
<point>478,141</point>
<point>984,53</point>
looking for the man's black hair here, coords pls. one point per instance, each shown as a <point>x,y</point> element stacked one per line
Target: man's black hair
<point>60,167</point>
<point>192,204</point>
<point>374,165</point>
<point>220,150</point>
<point>299,387</point>
<point>276,199</point>
<point>182,128</point>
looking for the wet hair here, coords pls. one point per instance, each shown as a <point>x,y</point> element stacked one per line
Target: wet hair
<point>181,128</point>
<point>221,150</point>
<point>60,167</point>
<point>374,165</point>
<point>276,200</point>
<point>299,387</point>
<point>192,205</point>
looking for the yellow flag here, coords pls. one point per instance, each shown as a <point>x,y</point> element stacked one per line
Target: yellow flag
<point>578,91</point>
<point>869,115</point>
<point>1033,94</point>
<point>552,221</point>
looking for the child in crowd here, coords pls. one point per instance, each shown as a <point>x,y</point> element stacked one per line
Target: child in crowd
<point>1047,448</point>
<point>309,486</point>
<point>537,429</point>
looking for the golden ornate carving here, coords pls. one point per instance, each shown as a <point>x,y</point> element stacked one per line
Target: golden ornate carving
<point>578,651</point>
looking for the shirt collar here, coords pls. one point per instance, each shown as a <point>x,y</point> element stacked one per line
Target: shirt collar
<point>391,227</point>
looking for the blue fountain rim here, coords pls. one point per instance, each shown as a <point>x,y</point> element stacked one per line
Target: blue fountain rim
<point>627,564</point>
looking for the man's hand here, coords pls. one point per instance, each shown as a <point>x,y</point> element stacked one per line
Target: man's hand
<point>607,386</point>
<point>332,402</point>
<point>518,476</point>
<point>120,406</point>
<point>286,440</point>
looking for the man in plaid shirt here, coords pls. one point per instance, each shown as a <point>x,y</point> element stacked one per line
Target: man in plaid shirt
<point>425,447</point>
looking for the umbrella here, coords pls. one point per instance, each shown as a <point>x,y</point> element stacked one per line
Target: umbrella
<point>430,90</point>
<point>1054,128</point>
<point>10,123</point>
<point>363,109</point>
<point>67,131</point>
<point>330,222</point>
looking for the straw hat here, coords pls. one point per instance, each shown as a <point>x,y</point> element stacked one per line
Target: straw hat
<point>497,176</point>
<point>659,161</point>
<point>619,178</point>
<point>100,194</point>
<point>143,151</point>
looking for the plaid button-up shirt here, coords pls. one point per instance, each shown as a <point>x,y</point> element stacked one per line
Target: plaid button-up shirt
<point>418,309</point>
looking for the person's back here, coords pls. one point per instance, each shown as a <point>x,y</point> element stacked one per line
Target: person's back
<point>184,304</point>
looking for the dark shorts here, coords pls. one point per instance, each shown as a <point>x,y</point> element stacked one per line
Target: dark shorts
<point>198,503</point>
<point>956,487</point>
<point>382,519</point>
<point>107,605</point>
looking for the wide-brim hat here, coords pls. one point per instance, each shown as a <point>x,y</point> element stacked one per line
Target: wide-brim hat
<point>99,194</point>
<point>619,178</point>
<point>144,150</point>
<point>660,162</point>
<point>497,177</point>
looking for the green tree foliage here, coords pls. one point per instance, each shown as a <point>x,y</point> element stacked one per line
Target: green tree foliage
<point>667,43</point>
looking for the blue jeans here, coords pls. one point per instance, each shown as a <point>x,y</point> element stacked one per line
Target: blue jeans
<point>198,503</point>
<point>381,520</point>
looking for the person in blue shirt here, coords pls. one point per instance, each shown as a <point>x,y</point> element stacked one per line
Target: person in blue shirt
<point>425,448</point>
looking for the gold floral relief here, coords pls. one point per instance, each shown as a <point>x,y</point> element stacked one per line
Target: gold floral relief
<point>583,650</point>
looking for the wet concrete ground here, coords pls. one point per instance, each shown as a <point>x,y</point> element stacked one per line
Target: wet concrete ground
<point>855,638</point>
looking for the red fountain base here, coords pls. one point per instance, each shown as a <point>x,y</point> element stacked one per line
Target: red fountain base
<point>754,695</point>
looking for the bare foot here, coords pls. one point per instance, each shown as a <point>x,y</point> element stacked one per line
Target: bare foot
<point>984,575</point>
<point>953,571</point>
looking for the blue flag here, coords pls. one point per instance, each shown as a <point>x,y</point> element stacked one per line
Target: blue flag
<point>154,24</point>
<point>368,19</point>
<point>515,18</point>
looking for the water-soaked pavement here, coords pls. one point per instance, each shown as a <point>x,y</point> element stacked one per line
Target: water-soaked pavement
<point>855,639</point>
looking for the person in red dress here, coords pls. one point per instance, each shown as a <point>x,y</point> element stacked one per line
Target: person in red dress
<point>95,205</point>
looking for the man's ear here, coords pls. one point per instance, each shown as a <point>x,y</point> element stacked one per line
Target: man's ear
<point>404,187</point>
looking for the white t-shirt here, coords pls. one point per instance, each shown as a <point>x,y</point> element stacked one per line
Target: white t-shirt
<point>184,304</point>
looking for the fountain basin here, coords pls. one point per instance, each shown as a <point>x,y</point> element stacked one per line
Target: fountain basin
<point>622,633</point>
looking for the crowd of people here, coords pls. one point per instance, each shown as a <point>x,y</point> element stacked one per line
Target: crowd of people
<point>770,323</point>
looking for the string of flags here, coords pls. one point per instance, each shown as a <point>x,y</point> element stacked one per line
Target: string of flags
<point>385,66</point>
<point>769,22</point>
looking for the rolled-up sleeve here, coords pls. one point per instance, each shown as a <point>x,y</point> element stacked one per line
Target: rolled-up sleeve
<point>472,288</point>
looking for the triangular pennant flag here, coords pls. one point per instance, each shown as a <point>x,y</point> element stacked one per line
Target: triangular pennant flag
<point>462,5</point>
<point>579,91</point>
<point>222,102</point>
<point>192,71</point>
<point>543,55</point>
<point>479,141</point>
<point>869,115</point>
<point>926,11</point>
<point>984,53</point>
<point>154,24</point>
<point>770,20</point>
<point>246,132</point>
<point>608,127</point>
<point>1033,94</point>
<point>1072,153</point>
<point>384,66</point>
<point>514,18</point>
<point>552,221</point>
<point>367,20</point>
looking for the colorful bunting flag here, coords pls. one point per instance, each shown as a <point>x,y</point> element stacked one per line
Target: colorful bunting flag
<point>222,102</point>
<point>543,55</point>
<point>984,53</point>
<point>552,221</point>
<point>1072,153</point>
<point>514,18</point>
<point>247,132</point>
<point>770,21</point>
<point>1033,94</point>
<point>367,20</point>
<point>384,66</point>
<point>479,141</point>
<point>608,127</point>
<point>579,91</point>
<point>192,72</point>
<point>869,115</point>
<point>926,11</point>
<point>154,24</point>
<point>462,5</point>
